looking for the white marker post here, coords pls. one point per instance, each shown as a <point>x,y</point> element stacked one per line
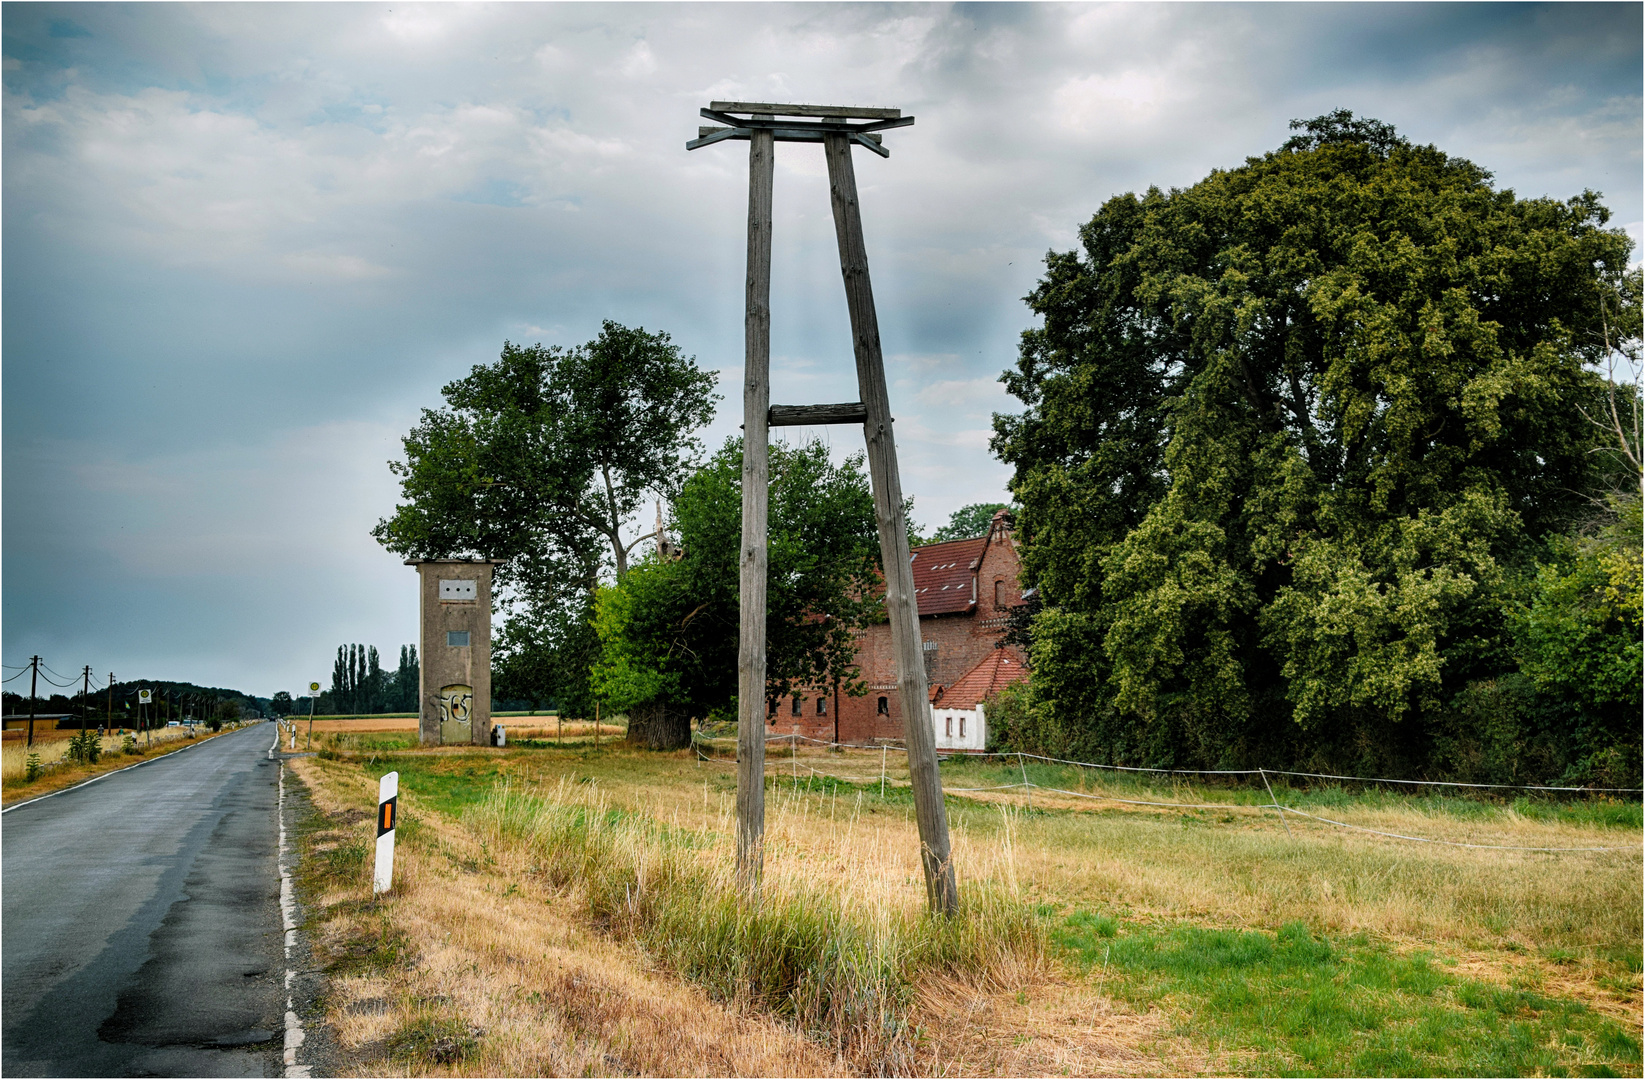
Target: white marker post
<point>388,799</point>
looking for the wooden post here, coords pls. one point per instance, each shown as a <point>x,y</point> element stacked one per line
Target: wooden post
<point>756,478</point>
<point>901,605</point>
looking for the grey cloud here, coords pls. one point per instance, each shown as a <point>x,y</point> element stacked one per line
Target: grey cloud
<point>238,231</point>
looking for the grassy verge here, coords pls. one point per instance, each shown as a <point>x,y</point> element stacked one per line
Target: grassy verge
<point>467,969</point>
<point>1182,940</point>
<point>821,954</point>
<point>1291,1002</point>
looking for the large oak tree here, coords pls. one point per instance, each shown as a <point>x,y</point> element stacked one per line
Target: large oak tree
<point>1292,441</point>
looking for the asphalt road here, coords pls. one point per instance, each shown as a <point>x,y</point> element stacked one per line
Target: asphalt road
<point>141,931</point>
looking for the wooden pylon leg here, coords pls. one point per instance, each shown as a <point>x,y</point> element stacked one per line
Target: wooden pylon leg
<point>900,603</point>
<point>756,478</point>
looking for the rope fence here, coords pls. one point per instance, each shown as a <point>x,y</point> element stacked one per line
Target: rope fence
<point>1028,786</point>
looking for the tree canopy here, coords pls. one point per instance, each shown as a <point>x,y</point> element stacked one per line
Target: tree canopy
<point>538,460</point>
<point>966,522</point>
<point>668,629</point>
<point>1293,442</point>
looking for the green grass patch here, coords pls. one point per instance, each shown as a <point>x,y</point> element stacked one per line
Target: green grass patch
<point>433,1037</point>
<point>1604,811</point>
<point>376,947</point>
<point>444,783</point>
<point>368,742</point>
<point>1293,1003</point>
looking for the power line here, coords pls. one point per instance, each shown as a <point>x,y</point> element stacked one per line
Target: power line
<point>55,672</point>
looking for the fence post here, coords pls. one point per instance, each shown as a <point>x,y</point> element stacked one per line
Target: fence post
<point>1277,808</point>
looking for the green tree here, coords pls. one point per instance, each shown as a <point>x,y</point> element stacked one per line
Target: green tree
<point>405,684</point>
<point>1292,439</point>
<point>538,460</point>
<point>1577,640</point>
<point>967,522</point>
<point>281,703</point>
<point>668,630</point>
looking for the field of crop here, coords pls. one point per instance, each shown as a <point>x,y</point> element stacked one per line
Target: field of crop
<point>560,908</point>
<point>58,771</point>
<point>519,727</point>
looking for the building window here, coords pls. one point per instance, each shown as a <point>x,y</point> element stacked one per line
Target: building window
<point>457,639</point>
<point>771,707</point>
<point>884,707</point>
<point>948,727</point>
<point>999,594</point>
<point>962,725</point>
<point>795,709</point>
<point>822,706</point>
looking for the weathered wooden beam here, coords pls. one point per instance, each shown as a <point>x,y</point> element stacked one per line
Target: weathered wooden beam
<point>764,120</point>
<point>863,129</point>
<point>707,136</point>
<point>901,605</point>
<point>848,111</point>
<point>756,484</point>
<point>870,141</point>
<point>813,127</point>
<point>846,412</point>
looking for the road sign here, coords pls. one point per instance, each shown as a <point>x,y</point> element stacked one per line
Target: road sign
<point>313,688</point>
<point>145,697</point>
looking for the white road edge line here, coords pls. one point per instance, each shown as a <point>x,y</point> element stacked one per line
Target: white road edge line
<point>103,776</point>
<point>288,917</point>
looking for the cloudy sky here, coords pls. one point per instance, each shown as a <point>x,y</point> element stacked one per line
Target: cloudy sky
<point>244,245</point>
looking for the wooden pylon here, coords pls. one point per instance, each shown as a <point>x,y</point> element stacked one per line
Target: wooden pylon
<point>838,129</point>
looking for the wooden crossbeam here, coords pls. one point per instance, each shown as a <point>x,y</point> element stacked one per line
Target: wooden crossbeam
<point>846,412</point>
<point>763,121</point>
<point>737,127</point>
<point>705,135</point>
<point>840,111</point>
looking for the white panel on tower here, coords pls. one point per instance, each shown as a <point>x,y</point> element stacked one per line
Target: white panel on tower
<point>457,590</point>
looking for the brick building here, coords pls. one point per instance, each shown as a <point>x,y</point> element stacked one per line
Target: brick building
<point>966,590</point>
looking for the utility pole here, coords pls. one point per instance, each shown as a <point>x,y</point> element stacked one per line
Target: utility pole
<point>85,700</point>
<point>755,556</point>
<point>111,701</point>
<point>839,129</point>
<point>34,674</point>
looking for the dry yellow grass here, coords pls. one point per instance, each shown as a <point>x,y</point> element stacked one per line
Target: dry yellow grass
<point>552,998</point>
<point>518,727</point>
<point>1511,918</point>
<point>496,937</point>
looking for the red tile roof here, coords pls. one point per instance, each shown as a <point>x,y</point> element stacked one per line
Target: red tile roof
<point>994,672</point>
<point>943,574</point>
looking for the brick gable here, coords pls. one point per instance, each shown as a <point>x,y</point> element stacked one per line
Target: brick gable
<point>966,590</point>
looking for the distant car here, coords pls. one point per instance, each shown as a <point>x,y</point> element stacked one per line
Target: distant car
<point>174,723</point>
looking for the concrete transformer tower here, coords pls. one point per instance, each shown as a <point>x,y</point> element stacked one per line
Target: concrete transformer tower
<point>455,652</point>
